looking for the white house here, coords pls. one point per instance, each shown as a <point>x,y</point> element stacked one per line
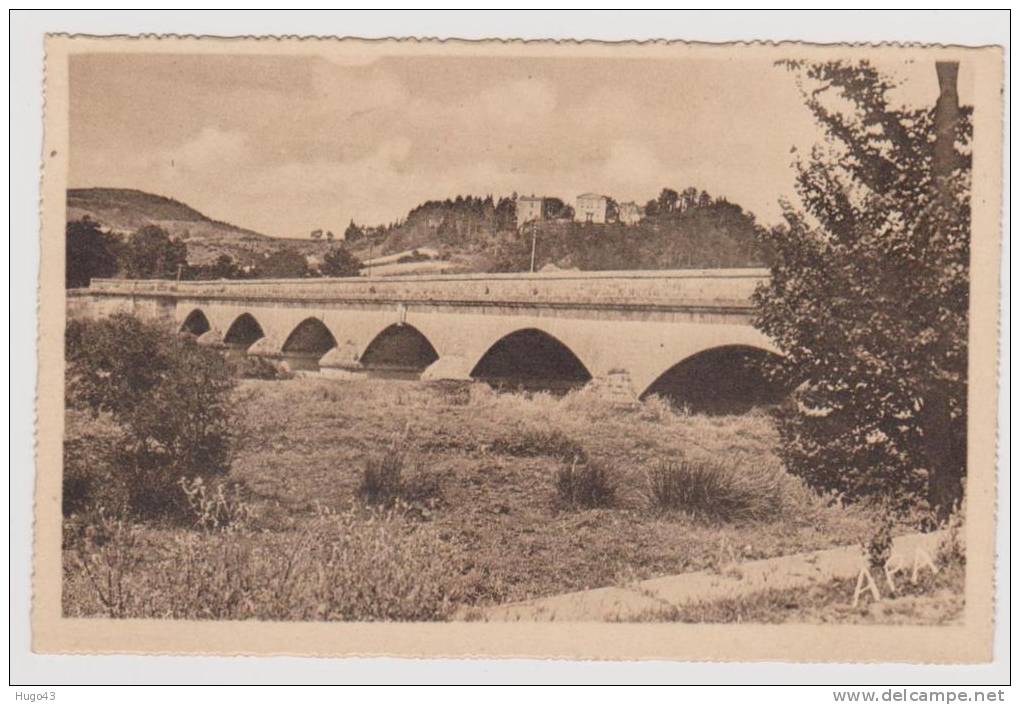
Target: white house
<point>591,208</point>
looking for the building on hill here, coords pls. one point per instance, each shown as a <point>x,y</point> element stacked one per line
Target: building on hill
<point>630,213</point>
<point>529,208</point>
<point>592,208</point>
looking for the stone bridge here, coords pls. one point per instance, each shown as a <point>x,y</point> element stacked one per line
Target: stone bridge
<point>686,334</point>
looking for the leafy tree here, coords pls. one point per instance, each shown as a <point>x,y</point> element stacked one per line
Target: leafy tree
<point>317,234</point>
<point>152,254</point>
<point>689,198</point>
<point>339,262</point>
<point>869,294</point>
<point>330,236</point>
<point>225,267</point>
<point>667,200</point>
<point>169,396</point>
<point>353,233</point>
<point>284,263</point>
<point>90,253</point>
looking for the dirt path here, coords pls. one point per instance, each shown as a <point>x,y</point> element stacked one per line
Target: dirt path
<point>630,602</point>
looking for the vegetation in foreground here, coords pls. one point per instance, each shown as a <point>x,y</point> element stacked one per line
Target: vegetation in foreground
<point>935,599</point>
<point>391,500</point>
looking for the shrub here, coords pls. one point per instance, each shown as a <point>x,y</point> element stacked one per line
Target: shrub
<point>258,367</point>
<point>337,567</point>
<point>715,491</point>
<point>538,442</point>
<point>584,483</point>
<point>91,479</point>
<point>168,396</point>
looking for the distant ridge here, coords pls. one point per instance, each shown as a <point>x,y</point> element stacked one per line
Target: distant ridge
<point>124,211</point>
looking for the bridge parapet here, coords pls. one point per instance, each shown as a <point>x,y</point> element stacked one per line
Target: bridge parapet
<point>720,288</point>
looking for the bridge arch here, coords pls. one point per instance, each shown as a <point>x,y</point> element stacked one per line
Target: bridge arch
<point>196,323</point>
<point>243,332</point>
<point>727,379</point>
<point>530,358</point>
<point>399,350</point>
<point>307,343</point>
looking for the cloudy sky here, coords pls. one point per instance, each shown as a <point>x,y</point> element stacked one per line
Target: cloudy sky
<point>287,144</point>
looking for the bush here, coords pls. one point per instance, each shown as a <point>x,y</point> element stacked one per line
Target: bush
<point>258,367</point>
<point>586,484</point>
<point>338,567</point>
<point>168,397</point>
<point>91,478</point>
<point>538,442</point>
<point>715,491</point>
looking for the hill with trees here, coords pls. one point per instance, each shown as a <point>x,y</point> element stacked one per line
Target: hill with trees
<point>145,235</point>
<point>680,229</point>
<point>124,211</point>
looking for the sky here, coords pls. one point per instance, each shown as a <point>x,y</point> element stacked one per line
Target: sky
<point>288,144</point>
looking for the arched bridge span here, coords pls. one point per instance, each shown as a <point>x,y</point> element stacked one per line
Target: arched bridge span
<point>686,335</point>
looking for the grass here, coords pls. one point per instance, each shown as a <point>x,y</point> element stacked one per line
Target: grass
<point>718,491</point>
<point>935,599</point>
<point>494,460</point>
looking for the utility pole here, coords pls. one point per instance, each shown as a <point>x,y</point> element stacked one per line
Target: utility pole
<point>533,239</point>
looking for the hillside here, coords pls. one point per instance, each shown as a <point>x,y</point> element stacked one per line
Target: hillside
<point>481,234</point>
<point>125,210</point>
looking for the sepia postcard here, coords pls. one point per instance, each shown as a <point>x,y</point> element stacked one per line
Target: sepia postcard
<point>493,349</point>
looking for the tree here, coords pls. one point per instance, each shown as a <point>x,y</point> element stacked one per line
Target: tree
<point>226,268</point>
<point>353,233</point>
<point>152,254</point>
<point>317,234</point>
<point>90,253</point>
<point>869,294</point>
<point>330,236</point>
<point>284,263</point>
<point>339,262</point>
<point>689,198</point>
<point>667,200</point>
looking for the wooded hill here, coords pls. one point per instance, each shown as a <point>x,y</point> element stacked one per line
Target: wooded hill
<point>481,235</point>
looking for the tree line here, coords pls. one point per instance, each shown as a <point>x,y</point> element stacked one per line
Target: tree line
<point>685,228</point>
<point>152,253</point>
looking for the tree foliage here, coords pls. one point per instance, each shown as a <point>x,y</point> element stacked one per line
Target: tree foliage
<point>284,263</point>
<point>869,294</point>
<point>151,253</point>
<point>90,253</point>
<point>339,262</point>
<point>168,395</point>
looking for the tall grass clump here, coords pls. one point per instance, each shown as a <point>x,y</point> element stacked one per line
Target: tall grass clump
<point>536,442</point>
<point>584,484</point>
<point>395,477</point>
<point>717,491</point>
<point>339,566</point>
<point>382,478</point>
